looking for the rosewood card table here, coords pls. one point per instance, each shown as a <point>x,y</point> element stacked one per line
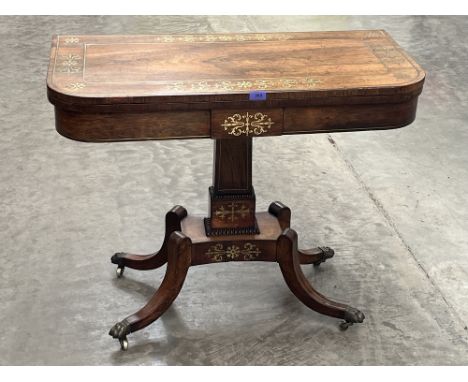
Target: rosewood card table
<point>231,88</point>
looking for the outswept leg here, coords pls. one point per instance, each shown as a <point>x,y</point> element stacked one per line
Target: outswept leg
<point>289,261</point>
<point>314,256</point>
<point>153,260</point>
<point>179,248</point>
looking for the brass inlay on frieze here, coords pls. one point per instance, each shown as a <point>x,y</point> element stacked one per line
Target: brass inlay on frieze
<point>247,124</point>
<point>218,253</point>
<point>232,212</point>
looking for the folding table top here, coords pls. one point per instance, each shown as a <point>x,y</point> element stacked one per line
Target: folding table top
<point>210,69</point>
<point>112,88</point>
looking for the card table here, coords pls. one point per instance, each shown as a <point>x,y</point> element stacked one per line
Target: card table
<point>230,88</point>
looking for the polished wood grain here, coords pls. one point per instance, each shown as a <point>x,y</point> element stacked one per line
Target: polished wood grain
<point>289,261</point>
<point>107,127</point>
<point>326,118</point>
<point>129,69</point>
<point>157,259</point>
<point>232,196</point>
<point>178,263</point>
<point>232,166</point>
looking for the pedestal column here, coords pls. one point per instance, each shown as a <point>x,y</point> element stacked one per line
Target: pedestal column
<point>232,197</point>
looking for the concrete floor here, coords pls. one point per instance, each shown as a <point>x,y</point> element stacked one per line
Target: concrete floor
<point>393,204</point>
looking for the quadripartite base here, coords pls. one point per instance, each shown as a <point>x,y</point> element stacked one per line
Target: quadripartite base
<point>186,244</point>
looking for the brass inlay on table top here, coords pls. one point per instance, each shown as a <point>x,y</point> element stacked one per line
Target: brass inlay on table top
<point>76,85</point>
<point>199,65</point>
<point>71,40</point>
<point>239,85</point>
<point>69,63</point>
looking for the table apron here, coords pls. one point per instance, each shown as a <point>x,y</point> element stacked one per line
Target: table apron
<point>232,123</point>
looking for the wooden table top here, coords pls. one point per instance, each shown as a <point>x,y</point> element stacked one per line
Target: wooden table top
<point>191,68</point>
<point>91,78</point>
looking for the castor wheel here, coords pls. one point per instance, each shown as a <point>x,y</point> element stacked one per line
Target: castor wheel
<point>120,331</point>
<point>119,271</point>
<point>345,325</point>
<point>123,343</point>
<point>119,260</point>
<point>327,253</point>
<point>351,316</point>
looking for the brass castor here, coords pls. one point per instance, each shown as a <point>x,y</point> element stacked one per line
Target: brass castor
<point>352,316</point>
<point>120,331</point>
<point>119,271</point>
<point>327,253</point>
<point>345,325</point>
<point>123,343</point>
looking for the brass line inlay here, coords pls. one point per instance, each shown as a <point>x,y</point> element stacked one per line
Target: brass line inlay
<point>203,38</point>
<point>247,124</point>
<point>218,253</point>
<point>232,212</point>
<point>226,37</point>
<point>387,55</point>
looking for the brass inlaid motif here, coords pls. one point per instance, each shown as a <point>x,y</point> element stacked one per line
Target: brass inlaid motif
<point>247,124</point>
<point>69,63</point>
<point>201,85</point>
<point>218,253</point>
<point>386,54</point>
<point>247,85</point>
<point>76,85</point>
<point>71,40</point>
<point>232,212</point>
